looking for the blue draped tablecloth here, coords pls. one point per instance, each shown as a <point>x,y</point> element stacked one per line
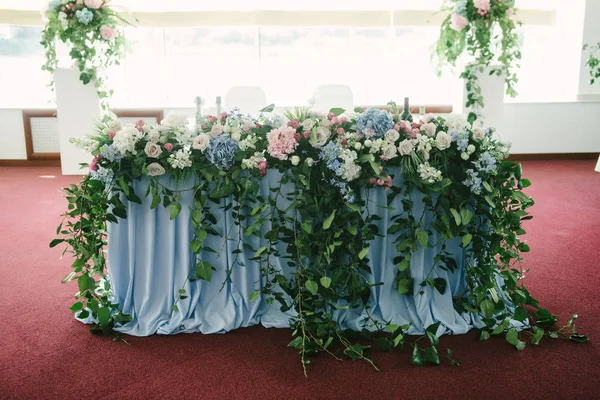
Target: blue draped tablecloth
<point>149,259</point>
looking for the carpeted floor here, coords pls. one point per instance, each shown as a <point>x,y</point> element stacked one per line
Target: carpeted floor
<point>45,353</point>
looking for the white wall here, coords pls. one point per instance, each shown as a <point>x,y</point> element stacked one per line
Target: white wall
<point>12,135</point>
<point>591,36</point>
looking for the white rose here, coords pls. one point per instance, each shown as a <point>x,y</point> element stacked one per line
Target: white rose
<point>326,123</point>
<point>309,161</point>
<point>368,143</point>
<point>390,151</point>
<point>236,136</point>
<point>464,156</point>
<point>478,133</point>
<point>175,120</point>
<point>201,142</point>
<point>443,140</point>
<point>427,117</point>
<point>308,124</point>
<point>216,130</point>
<point>146,128</point>
<point>319,136</point>
<point>406,147</point>
<point>114,125</point>
<point>471,149</point>
<point>429,128</point>
<point>155,169</point>
<point>392,135</point>
<point>152,150</point>
<point>295,160</point>
<point>154,135</point>
<point>357,146</point>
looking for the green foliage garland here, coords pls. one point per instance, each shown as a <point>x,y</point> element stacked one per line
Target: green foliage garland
<point>593,62</point>
<point>471,30</point>
<point>89,28</point>
<point>323,229</point>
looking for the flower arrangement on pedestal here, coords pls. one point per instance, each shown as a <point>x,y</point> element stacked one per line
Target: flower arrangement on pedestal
<point>593,62</point>
<point>90,28</point>
<point>471,28</point>
<point>332,160</point>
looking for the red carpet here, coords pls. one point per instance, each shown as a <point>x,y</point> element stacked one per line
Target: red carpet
<point>45,353</point>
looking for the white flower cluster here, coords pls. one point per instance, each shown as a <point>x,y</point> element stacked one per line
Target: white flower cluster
<point>126,139</point>
<point>201,142</point>
<point>252,162</point>
<point>349,170</point>
<point>181,159</point>
<point>248,143</point>
<point>428,173</point>
<point>87,145</point>
<point>457,122</point>
<point>424,146</point>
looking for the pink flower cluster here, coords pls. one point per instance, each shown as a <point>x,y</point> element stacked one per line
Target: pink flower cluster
<point>483,6</point>
<point>337,120</point>
<point>139,124</point>
<point>282,142</point>
<point>262,167</point>
<point>458,22</point>
<point>94,163</point>
<point>107,32</point>
<point>387,183</point>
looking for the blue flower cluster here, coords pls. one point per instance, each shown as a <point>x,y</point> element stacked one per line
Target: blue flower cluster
<point>345,191</point>
<point>461,138</point>
<point>486,163</point>
<point>102,174</point>
<point>329,154</point>
<point>461,7</point>
<point>54,5</point>
<point>221,152</point>
<point>473,181</point>
<point>379,120</point>
<point>84,16</point>
<point>110,153</point>
<point>489,132</point>
<point>234,114</point>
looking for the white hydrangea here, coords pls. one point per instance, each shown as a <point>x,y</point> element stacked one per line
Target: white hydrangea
<point>126,139</point>
<point>456,122</point>
<point>181,159</point>
<point>350,171</point>
<point>376,145</point>
<point>348,155</point>
<point>175,120</point>
<point>428,173</point>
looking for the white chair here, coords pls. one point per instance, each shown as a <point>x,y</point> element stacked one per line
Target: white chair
<point>249,99</point>
<point>326,97</point>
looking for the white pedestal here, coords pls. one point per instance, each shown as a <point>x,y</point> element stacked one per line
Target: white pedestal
<point>326,97</point>
<point>492,90</point>
<point>78,111</point>
<point>598,165</point>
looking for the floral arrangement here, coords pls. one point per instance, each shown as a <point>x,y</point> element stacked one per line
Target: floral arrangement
<point>334,161</point>
<point>471,28</point>
<point>593,62</point>
<point>90,28</point>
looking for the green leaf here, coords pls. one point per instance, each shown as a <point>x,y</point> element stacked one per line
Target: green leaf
<point>398,339</point>
<point>416,357</point>
<point>203,271</point>
<point>404,264</point>
<point>466,216</point>
<point>260,251</point>
<point>363,253</point>
<point>268,108</point>
<point>307,226</point>
<point>404,286</point>
<point>329,220</point>
<point>430,355</point>
<point>155,202</point>
<point>525,183</point>
<point>440,285</point>
<point>353,207</point>
<point>352,230</point>
<point>422,237</point>
<point>466,239</point>
<point>337,111</point>
<point>578,338</point>
<point>512,337</point>
<point>56,242</point>
<point>485,335</point>
<point>325,282</point>
<point>76,307</point>
<point>538,334</point>
<point>487,307</point>
<point>312,286</point>
<point>487,187</point>
<point>195,246</point>
<point>174,209</point>
<point>69,277</point>
<point>104,318</point>
<point>456,216</point>
<point>254,295</point>
<point>521,314</point>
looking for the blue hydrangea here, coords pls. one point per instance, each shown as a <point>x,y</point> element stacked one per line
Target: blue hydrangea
<point>489,132</point>
<point>486,163</point>
<point>234,114</point>
<point>461,138</point>
<point>461,7</point>
<point>54,5</point>
<point>329,154</point>
<point>110,153</point>
<point>379,121</point>
<point>345,191</point>
<point>102,174</point>
<point>473,181</point>
<point>84,16</point>
<point>221,152</point>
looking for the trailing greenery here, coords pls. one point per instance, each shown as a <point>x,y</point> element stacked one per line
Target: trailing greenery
<point>317,218</point>
<point>593,62</point>
<point>484,30</point>
<point>89,28</point>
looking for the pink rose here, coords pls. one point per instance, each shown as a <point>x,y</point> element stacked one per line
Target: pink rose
<point>344,141</point>
<point>63,9</point>
<point>380,182</point>
<point>297,137</point>
<point>340,131</point>
<point>111,135</point>
<point>306,134</point>
<point>335,121</point>
<point>458,22</point>
<point>108,33</point>
<point>342,119</point>
<point>93,3</point>
<point>262,165</point>
<point>258,126</point>
<point>93,165</point>
<point>223,116</point>
<point>510,12</point>
<point>330,116</point>
<point>211,119</point>
<point>414,133</point>
<point>372,181</point>
<point>168,147</point>
<point>203,127</point>
<point>263,172</point>
<point>139,124</point>
<point>482,5</point>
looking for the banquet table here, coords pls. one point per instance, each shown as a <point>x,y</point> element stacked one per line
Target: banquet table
<point>149,259</point>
